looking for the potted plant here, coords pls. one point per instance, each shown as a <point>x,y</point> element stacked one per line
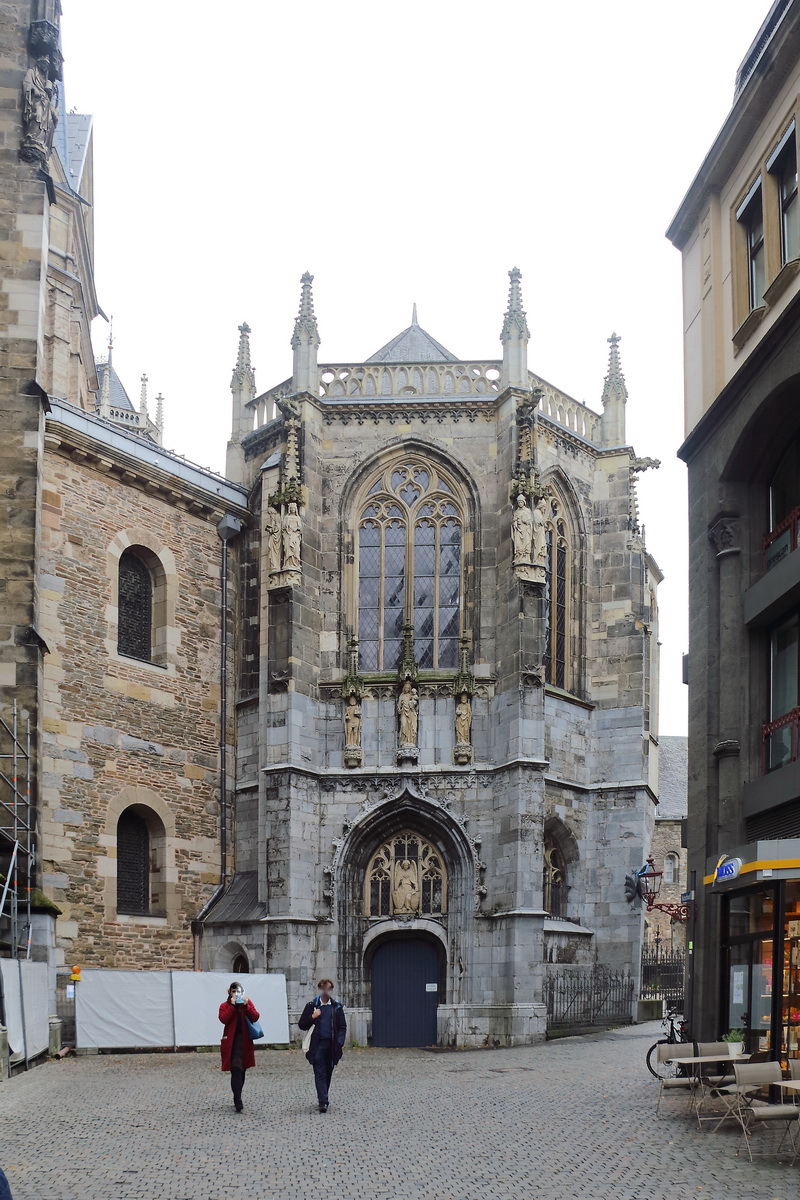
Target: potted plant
<point>735,1040</point>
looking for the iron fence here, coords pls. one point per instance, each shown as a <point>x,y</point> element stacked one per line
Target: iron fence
<point>594,997</point>
<point>663,975</point>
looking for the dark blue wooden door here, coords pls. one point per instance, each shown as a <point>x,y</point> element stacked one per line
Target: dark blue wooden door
<point>405,993</point>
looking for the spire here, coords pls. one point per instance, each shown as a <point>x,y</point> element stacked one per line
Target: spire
<point>514,335</point>
<point>110,338</point>
<point>243,374</point>
<point>243,391</point>
<point>105,388</point>
<point>305,341</point>
<point>414,320</point>
<point>160,419</point>
<point>143,397</point>
<point>615,395</point>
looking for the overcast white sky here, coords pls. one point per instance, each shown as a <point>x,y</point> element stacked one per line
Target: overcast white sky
<point>406,152</point>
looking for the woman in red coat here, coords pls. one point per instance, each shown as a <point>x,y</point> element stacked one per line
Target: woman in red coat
<point>236,1047</point>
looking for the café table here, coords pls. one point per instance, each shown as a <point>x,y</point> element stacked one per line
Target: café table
<point>696,1061</point>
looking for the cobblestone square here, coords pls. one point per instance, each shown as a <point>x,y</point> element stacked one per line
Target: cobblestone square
<point>573,1118</point>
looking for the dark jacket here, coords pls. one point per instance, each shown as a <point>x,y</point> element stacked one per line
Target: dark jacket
<point>338,1027</point>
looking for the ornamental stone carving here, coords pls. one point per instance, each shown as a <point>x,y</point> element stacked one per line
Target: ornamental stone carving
<point>462,752</point>
<point>353,755</point>
<point>408,719</point>
<point>39,112</point>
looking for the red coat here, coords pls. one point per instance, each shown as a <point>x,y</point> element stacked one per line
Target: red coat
<point>229,1014</point>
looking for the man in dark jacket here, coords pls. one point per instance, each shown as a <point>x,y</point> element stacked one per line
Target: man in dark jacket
<point>327,1018</point>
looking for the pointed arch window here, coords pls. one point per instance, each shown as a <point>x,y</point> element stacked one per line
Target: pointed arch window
<point>406,877</point>
<point>554,882</point>
<point>558,592</point>
<point>410,567</point>
<point>133,864</point>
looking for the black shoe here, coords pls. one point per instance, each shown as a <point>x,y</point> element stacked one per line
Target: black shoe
<point>323,1108</point>
<point>240,1107</point>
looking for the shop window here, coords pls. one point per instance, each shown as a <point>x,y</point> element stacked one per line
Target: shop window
<point>406,877</point>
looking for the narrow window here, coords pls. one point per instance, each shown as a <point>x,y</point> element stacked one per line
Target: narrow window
<point>671,868</point>
<point>279,645</point>
<point>557,600</point>
<point>133,864</point>
<point>783,165</point>
<point>750,216</point>
<point>135,608</point>
<point>554,882</point>
<point>781,732</point>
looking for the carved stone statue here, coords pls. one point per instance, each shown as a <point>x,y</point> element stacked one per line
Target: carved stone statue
<point>274,534</point>
<point>540,534</point>
<point>292,529</point>
<point>39,112</point>
<point>407,709</point>
<point>405,891</point>
<point>522,531</point>
<point>463,719</point>
<point>352,722</point>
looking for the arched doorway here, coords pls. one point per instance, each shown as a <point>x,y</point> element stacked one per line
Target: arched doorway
<point>406,976</point>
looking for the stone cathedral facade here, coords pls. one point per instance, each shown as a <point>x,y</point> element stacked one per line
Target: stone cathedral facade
<point>447,685</point>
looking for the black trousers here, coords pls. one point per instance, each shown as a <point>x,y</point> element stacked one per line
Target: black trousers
<point>323,1065</point>
<point>237,1083</point>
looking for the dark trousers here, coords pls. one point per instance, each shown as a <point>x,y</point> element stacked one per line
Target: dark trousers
<point>323,1065</point>
<point>237,1083</point>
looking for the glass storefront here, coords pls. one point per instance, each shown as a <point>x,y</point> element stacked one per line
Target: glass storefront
<point>761,984</point>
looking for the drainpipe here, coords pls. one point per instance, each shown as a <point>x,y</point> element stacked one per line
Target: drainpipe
<point>227,529</point>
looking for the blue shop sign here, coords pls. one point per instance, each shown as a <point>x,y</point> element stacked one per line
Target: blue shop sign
<point>727,869</point>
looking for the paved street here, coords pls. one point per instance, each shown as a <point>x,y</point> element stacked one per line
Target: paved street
<point>566,1119</point>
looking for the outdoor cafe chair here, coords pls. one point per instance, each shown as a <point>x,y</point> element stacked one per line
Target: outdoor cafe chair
<point>683,1083</point>
<point>752,1078</point>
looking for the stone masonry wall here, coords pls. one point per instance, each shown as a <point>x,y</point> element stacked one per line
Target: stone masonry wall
<point>117,731</point>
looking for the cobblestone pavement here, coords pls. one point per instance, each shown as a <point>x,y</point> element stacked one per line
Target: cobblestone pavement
<point>565,1119</point>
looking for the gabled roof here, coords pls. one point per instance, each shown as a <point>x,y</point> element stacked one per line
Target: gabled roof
<point>413,345</point>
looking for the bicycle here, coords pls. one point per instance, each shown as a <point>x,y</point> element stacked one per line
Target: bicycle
<point>677,1032</point>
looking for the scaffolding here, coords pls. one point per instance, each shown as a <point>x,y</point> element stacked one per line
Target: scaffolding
<point>16,836</point>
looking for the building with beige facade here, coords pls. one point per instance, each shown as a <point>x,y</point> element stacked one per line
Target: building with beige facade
<point>739,233</point>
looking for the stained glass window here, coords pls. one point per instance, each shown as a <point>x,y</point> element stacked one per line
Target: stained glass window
<point>410,568</point>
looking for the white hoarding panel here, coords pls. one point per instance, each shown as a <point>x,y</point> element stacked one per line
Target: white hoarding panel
<point>197,996</point>
<point>123,1009</point>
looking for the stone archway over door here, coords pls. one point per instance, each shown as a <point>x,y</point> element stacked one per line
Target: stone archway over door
<point>405,991</point>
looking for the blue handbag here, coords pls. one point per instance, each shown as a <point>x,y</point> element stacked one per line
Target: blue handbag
<point>254,1029</point>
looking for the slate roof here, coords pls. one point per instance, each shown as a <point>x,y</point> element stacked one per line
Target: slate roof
<point>117,395</point>
<point>240,902</point>
<point>672,778</point>
<point>413,345</point>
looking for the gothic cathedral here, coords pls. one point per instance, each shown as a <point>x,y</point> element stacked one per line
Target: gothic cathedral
<point>447,684</point>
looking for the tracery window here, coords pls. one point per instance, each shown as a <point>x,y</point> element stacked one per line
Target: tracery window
<point>406,876</point>
<point>558,589</point>
<point>410,542</point>
<point>554,881</point>
<point>135,606</point>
